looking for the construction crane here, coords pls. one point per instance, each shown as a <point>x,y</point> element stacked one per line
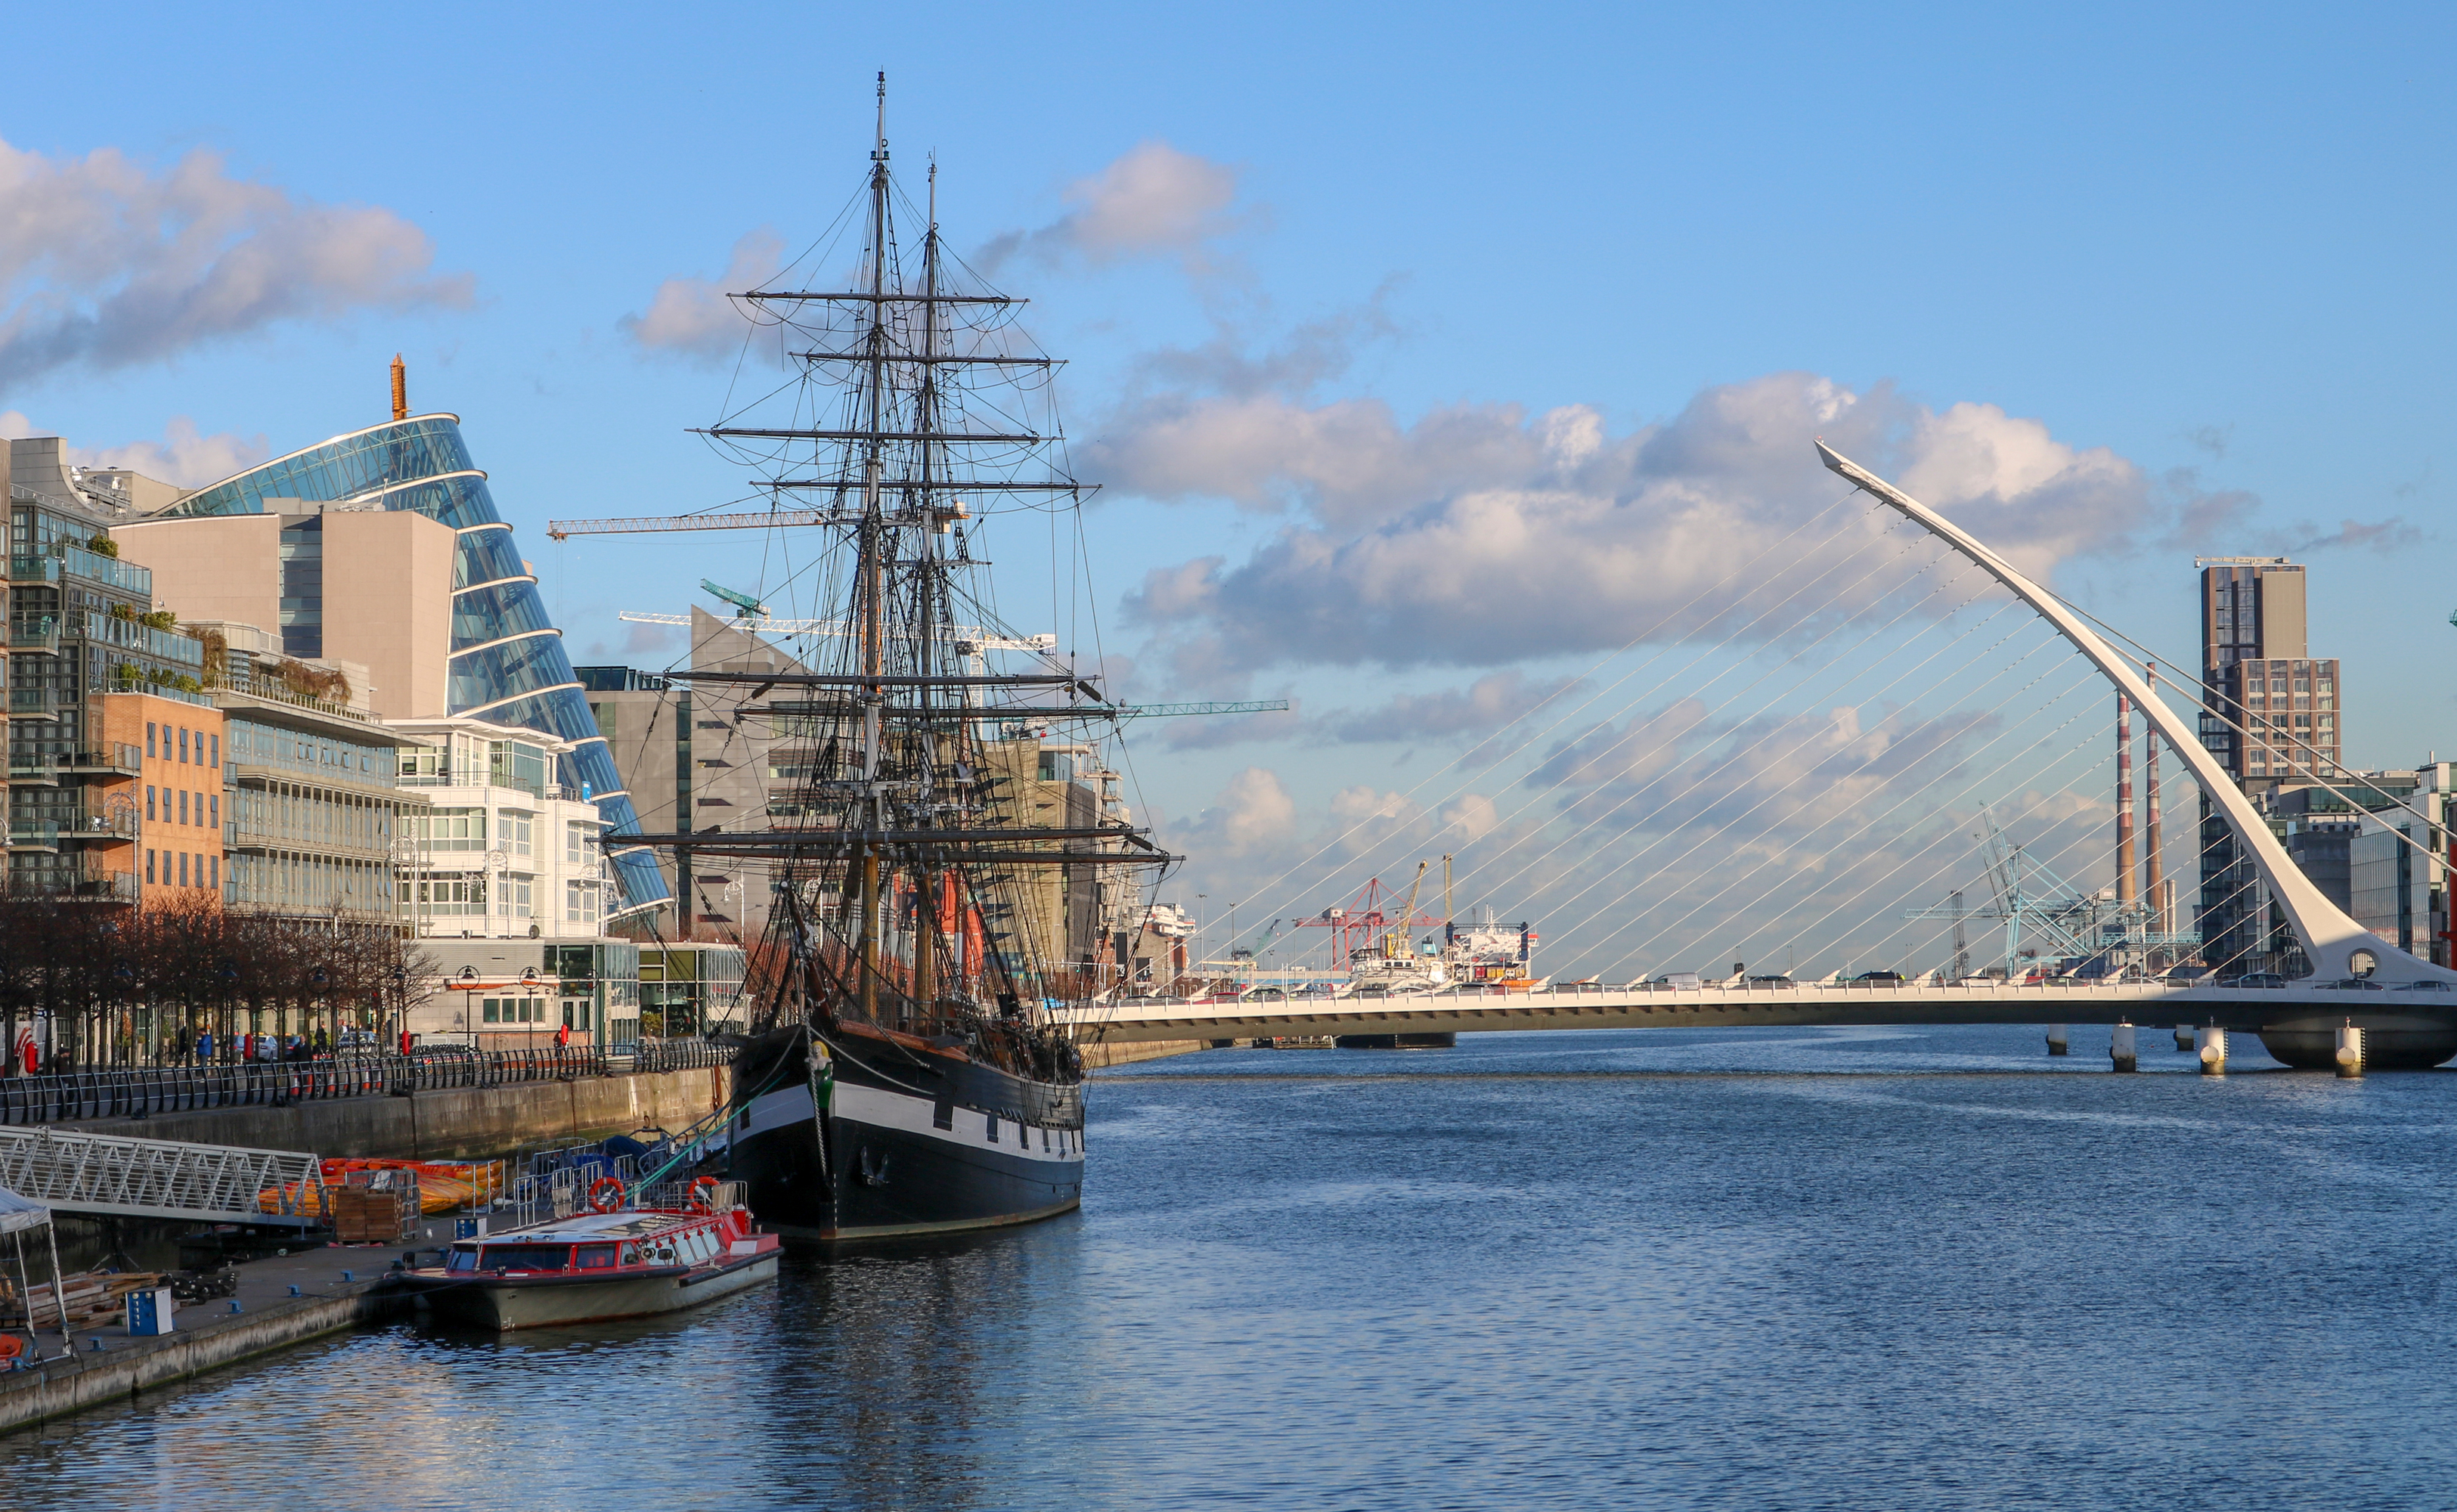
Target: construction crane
<point>747,608</point>
<point>1359,921</point>
<point>565,529</point>
<point>1147,710</point>
<point>762,624</point>
<point>2067,921</point>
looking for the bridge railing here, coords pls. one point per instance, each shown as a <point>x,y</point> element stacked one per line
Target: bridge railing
<point>141,1091</point>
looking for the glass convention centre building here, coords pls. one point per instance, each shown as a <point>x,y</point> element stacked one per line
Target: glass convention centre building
<point>507,660</point>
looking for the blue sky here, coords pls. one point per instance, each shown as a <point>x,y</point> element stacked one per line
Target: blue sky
<point>2203,244</point>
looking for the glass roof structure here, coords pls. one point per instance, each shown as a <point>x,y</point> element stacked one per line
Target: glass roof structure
<point>507,661</point>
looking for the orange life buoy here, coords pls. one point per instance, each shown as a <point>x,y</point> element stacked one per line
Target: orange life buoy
<point>10,1346</point>
<point>604,1194</point>
<point>703,1203</point>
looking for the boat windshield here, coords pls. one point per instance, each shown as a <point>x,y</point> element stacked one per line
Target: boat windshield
<point>464,1257</point>
<point>526,1257</point>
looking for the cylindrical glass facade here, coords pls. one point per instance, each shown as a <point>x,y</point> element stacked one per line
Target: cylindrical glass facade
<point>503,668</point>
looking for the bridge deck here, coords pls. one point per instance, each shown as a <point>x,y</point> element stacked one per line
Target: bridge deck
<point>2236,1008</point>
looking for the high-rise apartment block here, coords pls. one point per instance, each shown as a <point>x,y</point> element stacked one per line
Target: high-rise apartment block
<point>2271,709</point>
<point>2270,713</point>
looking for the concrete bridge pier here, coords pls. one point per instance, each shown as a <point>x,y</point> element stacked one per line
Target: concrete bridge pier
<point>2214,1051</point>
<point>2122,1048</point>
<point>2183,1039</point>
<point>2056,1040</point>
<point>2350,1051</point>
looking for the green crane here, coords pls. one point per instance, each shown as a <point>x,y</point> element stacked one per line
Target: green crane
<point>747,606</point>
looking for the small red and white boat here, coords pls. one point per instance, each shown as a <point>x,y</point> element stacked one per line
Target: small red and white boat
<point>630,1262</point>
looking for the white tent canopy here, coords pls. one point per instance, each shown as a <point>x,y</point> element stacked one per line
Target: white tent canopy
<point>18,1214</point>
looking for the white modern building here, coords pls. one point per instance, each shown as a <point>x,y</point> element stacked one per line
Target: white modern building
<point>501,852</point>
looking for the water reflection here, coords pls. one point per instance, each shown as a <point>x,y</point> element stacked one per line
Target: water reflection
<point>1688,1268</point>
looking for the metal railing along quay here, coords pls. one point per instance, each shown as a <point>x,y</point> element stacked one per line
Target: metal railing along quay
<point>140,1091</point>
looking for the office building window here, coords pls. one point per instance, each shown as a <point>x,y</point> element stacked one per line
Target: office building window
<point>215,862</point>
<point>183,745</point>
<point>183,805</point>
<point>148,800</point>
<point>149,739</point>
<point>216,803</point>
<point>149,868</point>
<point>184,868</point>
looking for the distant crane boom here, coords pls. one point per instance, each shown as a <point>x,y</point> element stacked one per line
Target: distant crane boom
<point>561,530</point>
<point>764,625</point>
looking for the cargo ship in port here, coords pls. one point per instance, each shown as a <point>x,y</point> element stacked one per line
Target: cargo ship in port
<point>903,1076</point>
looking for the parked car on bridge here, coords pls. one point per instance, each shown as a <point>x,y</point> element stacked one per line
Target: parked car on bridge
<point>2425,987</point>
<point>1678,982</point>
<point>1772,981</point>
<point>1882,979</point>
<point>2254,979</point>
<point>2350,985</point>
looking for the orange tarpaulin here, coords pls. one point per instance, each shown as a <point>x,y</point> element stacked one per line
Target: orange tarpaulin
<point>443,1184</point>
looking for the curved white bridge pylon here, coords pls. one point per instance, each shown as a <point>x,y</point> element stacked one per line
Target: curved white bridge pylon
<point>2330,939</point>
<point>2393,1007</point>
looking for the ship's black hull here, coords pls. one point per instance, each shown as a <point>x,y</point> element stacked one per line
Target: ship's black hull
<point>886,1143</point>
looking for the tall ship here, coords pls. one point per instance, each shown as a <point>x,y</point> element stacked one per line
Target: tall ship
<point>902,1073</point>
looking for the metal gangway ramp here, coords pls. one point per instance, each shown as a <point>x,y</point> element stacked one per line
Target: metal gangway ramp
<point>160,1178</point>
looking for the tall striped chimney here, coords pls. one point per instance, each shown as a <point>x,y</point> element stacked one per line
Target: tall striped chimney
<point>2151,892</point>
<point>2125,877</point>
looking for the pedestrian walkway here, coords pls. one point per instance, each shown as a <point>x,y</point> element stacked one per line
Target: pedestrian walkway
<point>159,1178</point>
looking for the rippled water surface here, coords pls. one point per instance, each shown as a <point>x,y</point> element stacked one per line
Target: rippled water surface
<point>1869,1269</point>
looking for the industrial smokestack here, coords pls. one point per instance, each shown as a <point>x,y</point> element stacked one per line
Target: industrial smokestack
<point>400,389</point>
<point>2151,860</point>
<point>2125,878</point>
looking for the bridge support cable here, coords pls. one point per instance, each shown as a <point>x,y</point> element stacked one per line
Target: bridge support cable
<point>2022,748</point>
<point>1757,629</point>
<point>2331,940</point>
<point>1841,843</point>
<point>2132,652</point>
<point>1635,730</point>
<point>1738,573</point>
<point>1738,753</point>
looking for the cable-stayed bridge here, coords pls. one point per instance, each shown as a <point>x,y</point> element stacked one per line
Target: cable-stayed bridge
<point>1723,828</point>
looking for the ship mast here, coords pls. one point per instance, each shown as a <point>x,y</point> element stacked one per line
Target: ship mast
<point>899,833</point>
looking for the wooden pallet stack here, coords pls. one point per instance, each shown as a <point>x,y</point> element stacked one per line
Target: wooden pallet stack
<point>93,1298</point>
<point>375,1207</point>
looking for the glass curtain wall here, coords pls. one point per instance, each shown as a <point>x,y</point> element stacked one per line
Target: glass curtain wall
<point>507,658</point>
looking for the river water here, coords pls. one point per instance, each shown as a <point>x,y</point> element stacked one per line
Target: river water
<point>1831,1269</point>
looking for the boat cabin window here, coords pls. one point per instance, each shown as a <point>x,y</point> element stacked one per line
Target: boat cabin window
<point>594,1257</point>
<point>630,1255</point>
<point>528,1258</point>
<point>464,1257</point>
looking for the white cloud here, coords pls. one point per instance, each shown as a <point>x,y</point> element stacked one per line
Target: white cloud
<point>104,265</point>
<point>1152,201</point>
<point>184,455</point>
<point>693,318</point>
<point>1479,535</point>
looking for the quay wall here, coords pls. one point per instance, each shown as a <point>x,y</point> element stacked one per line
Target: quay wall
<point>452,1124</point>
<point>58,1388</point>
